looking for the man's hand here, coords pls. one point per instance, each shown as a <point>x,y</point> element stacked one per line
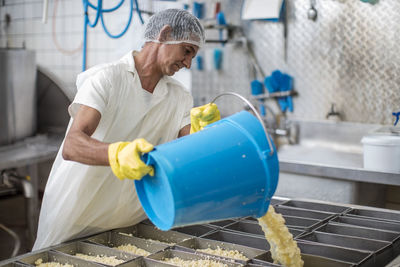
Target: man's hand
<point>202,116</point>
<point>125,162</point>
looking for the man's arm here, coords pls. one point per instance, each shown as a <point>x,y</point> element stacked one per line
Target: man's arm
<point>184,131</point>
<point>79,145</point>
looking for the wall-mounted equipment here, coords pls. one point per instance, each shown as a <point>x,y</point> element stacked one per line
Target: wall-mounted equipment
<point>17,95</point>
<point>261,9</point>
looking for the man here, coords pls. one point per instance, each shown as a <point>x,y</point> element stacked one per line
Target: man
<point>131,99</point>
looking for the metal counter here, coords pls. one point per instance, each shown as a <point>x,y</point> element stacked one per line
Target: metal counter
<point>332,150</point>
<point>29,153</point>
<point>328,234</point>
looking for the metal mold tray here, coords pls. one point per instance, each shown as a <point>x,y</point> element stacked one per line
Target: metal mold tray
<point>200,243</point>
<point>222,224</point>
<point>150,232</point>
<point>315,206</point>
<point>309,261</point>
<point>92,250</point>
<point>304,213</point>
<point>113,240</point>
<point>252,228</point>
<point>375,214</point>
<point>368,222</point>
<point>51,256</point>
<point>143,262</point>
<point>259,263</point>
<point>274,201</point>
<point>170,253</point>
<point>301,223</point>
<point>335,253</point>
<point>195,230</point>
<point>382,250</point>
<point>357,231</point>
<point>12,264</point>
<point>358,243</point>
<point>240,239</point>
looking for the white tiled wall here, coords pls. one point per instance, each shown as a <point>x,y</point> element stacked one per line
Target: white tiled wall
<point>66,23</point>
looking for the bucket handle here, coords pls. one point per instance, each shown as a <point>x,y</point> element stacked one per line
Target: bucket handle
<point>255,112</point>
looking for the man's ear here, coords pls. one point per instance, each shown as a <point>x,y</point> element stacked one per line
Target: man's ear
<point>165,33</point>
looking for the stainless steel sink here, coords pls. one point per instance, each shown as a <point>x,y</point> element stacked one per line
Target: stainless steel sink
<point>327,164</point>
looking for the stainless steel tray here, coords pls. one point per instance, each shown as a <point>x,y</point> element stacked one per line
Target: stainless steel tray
<point>12,264</point>
<point>113,239</point>
<point>304,213</point>
<point>195,230</point>
<point>259,263</point>
<point>240,239</point>
<point>309,261</point>
<point>144,262</point>
<point>194,244</point>
<point>336,253</point>
<point>51,256</point>
<point>368,222</point>
<point>358,243</point>
<point>170,253</point>
<point>376,214</point>
<point>93,250</point>
<point>222,224</point>
<point>382,250</point>
<point>150,232</point>
<point>253,228</point>
<point>315,206</point>
<point>356,231</point>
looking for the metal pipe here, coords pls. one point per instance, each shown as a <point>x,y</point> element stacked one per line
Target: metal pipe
<point>17,244</point>
<point>45,8</point>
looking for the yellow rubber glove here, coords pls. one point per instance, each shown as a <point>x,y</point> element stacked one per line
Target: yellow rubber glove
<point>125,162</point>
<point>202,116</point>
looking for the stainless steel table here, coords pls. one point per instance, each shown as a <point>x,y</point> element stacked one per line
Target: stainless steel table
<point>28,154</point>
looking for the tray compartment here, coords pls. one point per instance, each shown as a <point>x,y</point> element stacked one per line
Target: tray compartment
<point>169,238</point>
<point>113,240</point>
<point>200,243</point>
<point>93,250</point>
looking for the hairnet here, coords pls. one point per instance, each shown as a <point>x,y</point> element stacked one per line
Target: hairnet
<point>186,28</point>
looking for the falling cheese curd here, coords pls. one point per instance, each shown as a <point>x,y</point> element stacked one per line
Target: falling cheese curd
<point>107,260</point>
<point>194,263</point>
<point>284,249</point>
<point>40,263</point>
<point>234,254</point>
<point>133,249</point>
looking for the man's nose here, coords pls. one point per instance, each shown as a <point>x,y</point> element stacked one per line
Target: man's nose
<point>187,62</point>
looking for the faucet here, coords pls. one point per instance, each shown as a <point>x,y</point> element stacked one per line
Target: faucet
<point>333,114</point>
<point>288,129</point>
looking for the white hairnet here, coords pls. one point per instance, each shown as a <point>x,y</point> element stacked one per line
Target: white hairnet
<point>186,28</point>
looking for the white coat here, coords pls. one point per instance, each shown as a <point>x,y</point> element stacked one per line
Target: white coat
<point>81,200</point>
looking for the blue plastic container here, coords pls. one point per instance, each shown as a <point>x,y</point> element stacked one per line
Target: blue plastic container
<point>224,171</point>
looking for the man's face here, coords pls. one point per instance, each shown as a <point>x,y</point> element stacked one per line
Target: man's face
<point>173,57</point>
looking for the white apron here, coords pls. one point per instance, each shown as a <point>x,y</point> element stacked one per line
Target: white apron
<point>81,200</point>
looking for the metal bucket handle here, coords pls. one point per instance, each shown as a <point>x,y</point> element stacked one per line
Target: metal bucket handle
<point>255,112</point>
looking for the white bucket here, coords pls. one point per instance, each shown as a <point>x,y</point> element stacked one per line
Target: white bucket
<point>382,152</point>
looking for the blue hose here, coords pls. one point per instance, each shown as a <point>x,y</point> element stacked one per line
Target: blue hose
<point>99,15</point>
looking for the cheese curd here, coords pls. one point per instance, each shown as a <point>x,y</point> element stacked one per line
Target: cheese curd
<point>284,249</point>
<point>133,249</point>
<point>194,263</point>
<point>40,263</point>
<point>234,254</point>
<point>108,260</point>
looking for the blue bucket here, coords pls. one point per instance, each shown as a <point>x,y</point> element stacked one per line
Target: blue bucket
<point>224,171</point>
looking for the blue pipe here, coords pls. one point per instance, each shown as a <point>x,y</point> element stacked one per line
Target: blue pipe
<point>99,14</point>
